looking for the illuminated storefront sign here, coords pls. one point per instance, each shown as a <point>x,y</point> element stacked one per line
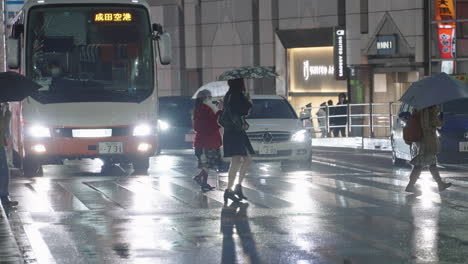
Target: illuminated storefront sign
<point>386,45</point>
<point>103,17</point>
<point>311,70</point>
<point>340,53</point>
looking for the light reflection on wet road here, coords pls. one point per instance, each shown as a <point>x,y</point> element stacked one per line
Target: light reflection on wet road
<point>349,207</point>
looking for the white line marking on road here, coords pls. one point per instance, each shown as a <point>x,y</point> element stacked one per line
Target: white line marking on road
<point>38,245</point>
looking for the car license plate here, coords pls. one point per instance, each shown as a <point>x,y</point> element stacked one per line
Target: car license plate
<point>463,146</point>
<point>268,150</point>
<point>189,137</point>
<point>110,147</point>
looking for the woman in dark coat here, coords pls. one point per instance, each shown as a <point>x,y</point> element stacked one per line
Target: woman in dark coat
<point>235,141</point>
<point>207,137</point>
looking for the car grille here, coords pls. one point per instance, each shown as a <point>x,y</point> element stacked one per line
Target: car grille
<point>269,136</point>
<point>281,153</point>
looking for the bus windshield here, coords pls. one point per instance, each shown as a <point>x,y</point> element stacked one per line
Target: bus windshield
<point>90,53</point>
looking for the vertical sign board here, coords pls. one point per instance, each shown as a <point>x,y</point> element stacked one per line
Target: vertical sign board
<point>340,53</point>
<point>444,10</point>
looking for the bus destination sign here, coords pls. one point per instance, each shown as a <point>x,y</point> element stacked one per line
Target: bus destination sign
<point>106,17</point>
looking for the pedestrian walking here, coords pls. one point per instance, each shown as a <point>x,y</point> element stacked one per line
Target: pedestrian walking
<point>235,141</point>
<point>341,110</point>
<point>5,116</point>
<point>207,140</point>
<point>322,119</point>
<point>427,148</point>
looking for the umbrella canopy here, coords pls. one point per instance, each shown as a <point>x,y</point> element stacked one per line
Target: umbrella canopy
<point>217,89</point>
<point>434,90</point>
<point>15,87</point>
<point>248,72</point>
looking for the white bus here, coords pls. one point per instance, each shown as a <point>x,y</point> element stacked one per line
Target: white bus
<point>96,63</point>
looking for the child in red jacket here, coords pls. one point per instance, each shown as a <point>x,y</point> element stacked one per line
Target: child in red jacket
<point>207,137</point>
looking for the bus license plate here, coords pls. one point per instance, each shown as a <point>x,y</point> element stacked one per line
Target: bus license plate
<point>268,150</point>
<point>463,146</point>
<point>110,147</point>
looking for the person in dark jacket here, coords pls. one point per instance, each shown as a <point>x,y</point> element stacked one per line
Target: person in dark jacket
<point>342,120</point>
<point>235,141</point>
<point>207,140</point>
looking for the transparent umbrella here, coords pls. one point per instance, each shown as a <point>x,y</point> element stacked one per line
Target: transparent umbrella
<point>434,90</point>
<point>217,89</point>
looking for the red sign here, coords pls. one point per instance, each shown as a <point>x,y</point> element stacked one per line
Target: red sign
<point>446,42</point>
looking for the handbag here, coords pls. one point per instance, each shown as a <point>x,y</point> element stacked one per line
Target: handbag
<point>229,120</point>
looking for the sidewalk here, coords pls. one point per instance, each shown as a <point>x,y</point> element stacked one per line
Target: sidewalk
<point>354,142</point>
<point>9,251</point>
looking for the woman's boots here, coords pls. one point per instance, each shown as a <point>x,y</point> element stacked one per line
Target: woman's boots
<point>229,194</point>
<point>238,192</point>
<point>236,196</point>
<point>204,183</point>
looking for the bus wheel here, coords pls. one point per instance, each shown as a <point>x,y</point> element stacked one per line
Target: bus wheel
<point>32,168</point>
<point>141,165</point>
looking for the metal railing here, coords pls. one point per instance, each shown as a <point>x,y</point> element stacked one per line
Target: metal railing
<point>358,120</point>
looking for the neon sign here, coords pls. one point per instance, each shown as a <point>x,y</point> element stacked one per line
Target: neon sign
<point>103,17</point>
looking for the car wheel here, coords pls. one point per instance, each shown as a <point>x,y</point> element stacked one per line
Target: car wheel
<point>141,165</point>
<point>32,168</point>
<point>395,160</point>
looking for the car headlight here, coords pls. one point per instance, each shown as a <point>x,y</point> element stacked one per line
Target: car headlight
<point>163,125</point>
<point>39,131</point>
<point>300,136</point>
<point>142,130</point>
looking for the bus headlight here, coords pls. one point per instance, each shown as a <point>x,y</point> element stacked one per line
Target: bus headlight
<point>39,131</point>
<point>300,136</point>
<point>142,130</point>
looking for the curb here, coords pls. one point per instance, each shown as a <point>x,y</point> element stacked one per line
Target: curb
<point>9,250</point>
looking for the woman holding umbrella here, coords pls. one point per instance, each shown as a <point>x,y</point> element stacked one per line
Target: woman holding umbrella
<point>428,147</point>
<point>235,141</point>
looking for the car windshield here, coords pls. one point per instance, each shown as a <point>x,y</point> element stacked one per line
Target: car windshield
<point>90,53</point>
<point>177,111</point>
<point>457,107</point>
<point>271,109</point>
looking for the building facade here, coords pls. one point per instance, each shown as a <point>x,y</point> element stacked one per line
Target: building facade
<point>386,47</point>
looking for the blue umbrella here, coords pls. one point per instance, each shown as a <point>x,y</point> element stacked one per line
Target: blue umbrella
<point>434,90</point>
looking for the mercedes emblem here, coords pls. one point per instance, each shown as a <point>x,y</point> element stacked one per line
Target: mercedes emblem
<point>267,137</point>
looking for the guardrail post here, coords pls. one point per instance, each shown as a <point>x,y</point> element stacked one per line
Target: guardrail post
<point>371,117</point>
<point>327,116</point>
<point>391,118</point>
<point>349,119</point>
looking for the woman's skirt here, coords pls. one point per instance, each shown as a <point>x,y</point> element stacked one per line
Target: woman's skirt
<point>208,158</point>
<point>236,143</point>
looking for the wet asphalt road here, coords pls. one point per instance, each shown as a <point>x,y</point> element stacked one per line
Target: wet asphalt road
<point>349,208</point>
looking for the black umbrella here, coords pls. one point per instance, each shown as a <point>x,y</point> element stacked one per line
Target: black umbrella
<point>15,87</point>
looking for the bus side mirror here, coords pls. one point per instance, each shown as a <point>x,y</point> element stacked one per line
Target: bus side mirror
<point>165,48</point>
<point>13,53</point>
